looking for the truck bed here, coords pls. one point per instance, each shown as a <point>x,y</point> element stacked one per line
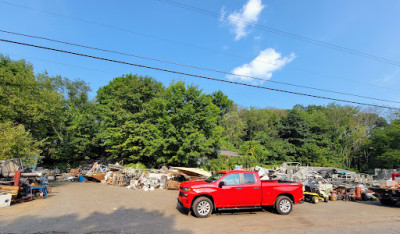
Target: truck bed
<point>273,188</point>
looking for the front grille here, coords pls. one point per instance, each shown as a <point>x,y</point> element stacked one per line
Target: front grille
<point>181,194</point>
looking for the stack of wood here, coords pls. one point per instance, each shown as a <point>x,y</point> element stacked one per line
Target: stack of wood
<point>119,180</point>
<point>13,190</point>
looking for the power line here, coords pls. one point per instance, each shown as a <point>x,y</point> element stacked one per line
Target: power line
<point>191,45</point>
<point>196,67</point>
<point>197,76</point>
<point>288,34</point>
<point>64,64</point>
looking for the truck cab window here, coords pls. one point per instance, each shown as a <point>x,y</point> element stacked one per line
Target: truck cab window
<point>214,177</point>
<point>232,179</point>
<point>249,178</point>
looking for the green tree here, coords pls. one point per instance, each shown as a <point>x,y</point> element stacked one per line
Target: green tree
<point>385,146</point>
<point>234,129</point>
<point>121,104</point>
<point>295,127</point>
<point>259,120</point>
<point>30,101</point>
<point>222,102</point>
<point>279,150</point>
<point>143,122</point>
<point>15,142</point>
<point>190,128</point>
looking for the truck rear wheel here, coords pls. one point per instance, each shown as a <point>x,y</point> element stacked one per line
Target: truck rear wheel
<point>283,205</point>
<point>202,207</point>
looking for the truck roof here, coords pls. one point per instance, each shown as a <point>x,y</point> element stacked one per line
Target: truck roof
<point>237,171</point>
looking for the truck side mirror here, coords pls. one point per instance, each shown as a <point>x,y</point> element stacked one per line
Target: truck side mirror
<point>222,183</point>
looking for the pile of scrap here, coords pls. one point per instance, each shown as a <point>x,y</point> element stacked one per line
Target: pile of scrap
<point>166,178</point>
<point>387,189</point>
<point>136,178</point>
<point>185,174</point>
<point>97,173</point>
<point>326,182</point>
<point>19,183</point>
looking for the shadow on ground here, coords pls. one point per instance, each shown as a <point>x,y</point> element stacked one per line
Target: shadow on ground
<point>241,211</point>
<point>186,211</point>
<point>377,203</point>
<point>119,221</point>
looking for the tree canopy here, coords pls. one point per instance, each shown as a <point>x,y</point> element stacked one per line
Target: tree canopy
<point>136,119</point>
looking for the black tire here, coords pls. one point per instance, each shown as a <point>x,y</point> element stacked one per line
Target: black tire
<point>315,199</point>
<point>387,202</point>
<point>202,207</point>
<point>326,199</point>
<point>283,205</point>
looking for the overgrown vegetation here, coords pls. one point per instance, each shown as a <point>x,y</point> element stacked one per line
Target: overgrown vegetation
<point>138,120</point>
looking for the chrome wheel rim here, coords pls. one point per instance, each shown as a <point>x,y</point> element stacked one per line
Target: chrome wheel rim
<point>285,205</point>
<point>203,208</point>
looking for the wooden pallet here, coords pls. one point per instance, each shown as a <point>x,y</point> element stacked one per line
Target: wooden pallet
<point>13,190</point>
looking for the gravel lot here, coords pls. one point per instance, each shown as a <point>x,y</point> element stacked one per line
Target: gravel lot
<point>96,208</point>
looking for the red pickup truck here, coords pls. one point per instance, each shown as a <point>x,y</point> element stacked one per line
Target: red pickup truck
<point>238,189</point>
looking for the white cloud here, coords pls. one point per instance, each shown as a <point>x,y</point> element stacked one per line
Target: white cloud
<point>267,62</point>
<point>391,76</point>
<point>222,14</point>
<point>241,19</point>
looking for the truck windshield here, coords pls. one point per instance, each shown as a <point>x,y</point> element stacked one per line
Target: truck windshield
<point>214,177</point>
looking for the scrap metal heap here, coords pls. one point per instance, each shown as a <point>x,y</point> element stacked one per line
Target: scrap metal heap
<point>387,189</point>
<point>335,183</point>
<point>19,183</point>
<point>134,178</point>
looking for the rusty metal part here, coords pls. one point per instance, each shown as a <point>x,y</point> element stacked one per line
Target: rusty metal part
<point>96,177</point>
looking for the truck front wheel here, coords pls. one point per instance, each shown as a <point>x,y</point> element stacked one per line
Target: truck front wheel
<point>283,205</point>
<point>202,207</point>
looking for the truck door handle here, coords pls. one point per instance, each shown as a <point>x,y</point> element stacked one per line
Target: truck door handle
<point>238,188</point>
<point>256,187</point>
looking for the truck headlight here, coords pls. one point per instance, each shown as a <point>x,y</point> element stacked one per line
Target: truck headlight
<point>187,189</point>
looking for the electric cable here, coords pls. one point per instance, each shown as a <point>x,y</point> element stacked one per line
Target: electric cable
<point>288,34</point>
<point>197,67</point>
<point>191,45</point>
<point>195,75</point>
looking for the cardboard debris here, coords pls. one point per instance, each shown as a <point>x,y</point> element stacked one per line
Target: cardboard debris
<point>171,184</point>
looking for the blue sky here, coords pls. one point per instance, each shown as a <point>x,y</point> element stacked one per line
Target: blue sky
<point>231,44</point>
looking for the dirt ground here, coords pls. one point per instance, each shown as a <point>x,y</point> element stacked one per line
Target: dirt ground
<point>96,208</point>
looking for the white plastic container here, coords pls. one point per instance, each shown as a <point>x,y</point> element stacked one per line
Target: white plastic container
<point>5,200</point>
